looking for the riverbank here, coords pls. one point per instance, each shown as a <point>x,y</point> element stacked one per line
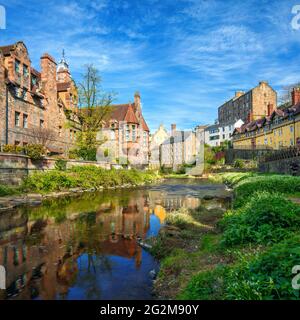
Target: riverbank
<point>246,253</point>
<point>77,180</point>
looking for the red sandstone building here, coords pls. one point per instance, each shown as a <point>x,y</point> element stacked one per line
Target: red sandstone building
<point>36,104</point>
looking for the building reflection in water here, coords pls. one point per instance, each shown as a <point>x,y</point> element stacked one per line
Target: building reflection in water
<point>45,249</point>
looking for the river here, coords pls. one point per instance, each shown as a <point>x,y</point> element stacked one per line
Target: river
<point>85,247</point>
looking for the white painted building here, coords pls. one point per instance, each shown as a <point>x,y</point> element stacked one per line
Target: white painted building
<point>216,134</point>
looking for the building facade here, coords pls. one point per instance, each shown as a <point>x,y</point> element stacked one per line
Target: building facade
<point>179,149</point>
<point>36,106</point>
<point>249,106</point>
<point>216,134</point>
<point>279,130</point>
<point>126,135</point>
<point>156,141</point>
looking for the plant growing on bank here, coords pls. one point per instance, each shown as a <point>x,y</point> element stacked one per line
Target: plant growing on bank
<point>257,276</point>
<point>61,165</point>
<point>85,177</point>
<point>266,218</point>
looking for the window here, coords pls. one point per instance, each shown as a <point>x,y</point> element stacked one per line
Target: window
<point>17,143</point>
<point>17,119</point>
<point>145,138</point>
<point>59,131</point>
<point>25,121</point>
<point>292,142</point>
<point>127,135</point>
<point>17,66</point>
<point>25,71</point>
<point>33,80</point>
<point>41,123</point>
<point>133,133</point>
<point>291,128</point>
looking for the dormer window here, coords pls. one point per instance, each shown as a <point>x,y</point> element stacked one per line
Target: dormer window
<point>17,66</point>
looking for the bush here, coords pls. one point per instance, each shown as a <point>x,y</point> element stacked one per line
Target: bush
<point>238,163</point>
<point>6,191</point>
<point>88,154</point>
<point>85,177</point>
<point>35,151</point>
<point>258,276</point>
<point>10,148</point>
<point>266,218</point>
<point>61,165</point>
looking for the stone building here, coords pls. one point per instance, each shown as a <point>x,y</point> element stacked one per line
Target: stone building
<point>157,139</point>
<point>36,106</point>
<point>127,135</point>
<point>248,106</point>
<point>179,149</point>
<point>279,130</point>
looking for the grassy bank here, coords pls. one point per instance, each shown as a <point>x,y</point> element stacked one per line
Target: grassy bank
<point>83,177</point>
<point>246,253</point>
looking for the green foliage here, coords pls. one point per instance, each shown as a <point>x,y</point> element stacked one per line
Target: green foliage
<point>106,153</point>
<point>61,165</point>
<point>247,183</point>
<point>10,148</point>
<point>86,153</point>
<point>239,164</point>
<point>266,218</point>
<point>85,177</point>
<point>256,276</point>
<point>7,191</point>
<point>35,151</point>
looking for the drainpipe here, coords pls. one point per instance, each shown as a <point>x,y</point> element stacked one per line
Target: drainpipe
<point>6,116</point>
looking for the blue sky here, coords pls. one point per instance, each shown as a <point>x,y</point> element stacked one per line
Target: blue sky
<point>186,57</point>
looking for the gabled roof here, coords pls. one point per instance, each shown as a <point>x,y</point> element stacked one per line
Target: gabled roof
<point>125,112</point>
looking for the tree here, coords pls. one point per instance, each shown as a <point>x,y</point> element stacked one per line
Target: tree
<point>42,136</point>
<point>95,107</point>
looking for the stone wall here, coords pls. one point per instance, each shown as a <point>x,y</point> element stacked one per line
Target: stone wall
<point>284,166</point>
<point>246,154</point>
<point>14,167</point>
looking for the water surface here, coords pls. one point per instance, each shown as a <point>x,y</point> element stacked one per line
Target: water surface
<point>85,247</point>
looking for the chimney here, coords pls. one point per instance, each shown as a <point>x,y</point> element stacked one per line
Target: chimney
<point>239,94</point>
<point>295,96</point>
<point>48,73</point>
<point>137,101</point>
<point>270,109</point>
<point>173,129</point>
<point>263,82</point>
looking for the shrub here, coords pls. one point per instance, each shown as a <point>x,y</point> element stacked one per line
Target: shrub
<point>84,153</point>
<point>272,183</point>
<point>6,191</point>
<point>238,163</point>
<point>85,177</point>
<point>61,165</point>
<point>35,151</point>
<point>10,148</point>
<point>257,276</point>
<point>266,218</point>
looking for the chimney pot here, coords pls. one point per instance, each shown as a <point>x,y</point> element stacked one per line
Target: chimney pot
<point>295,96</point>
